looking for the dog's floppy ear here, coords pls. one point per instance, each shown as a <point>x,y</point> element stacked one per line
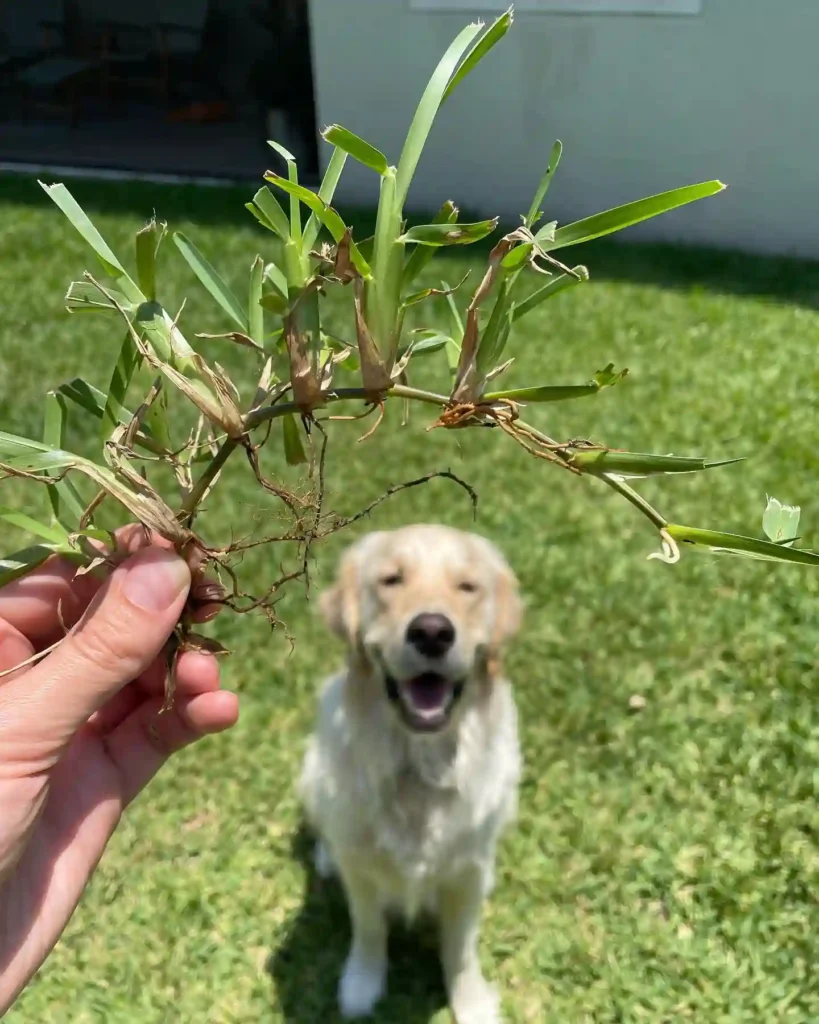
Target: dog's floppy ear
<point>339,604</point>
<point>508,605</point>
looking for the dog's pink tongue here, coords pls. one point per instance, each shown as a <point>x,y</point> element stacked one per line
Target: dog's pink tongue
<point>428,691</point>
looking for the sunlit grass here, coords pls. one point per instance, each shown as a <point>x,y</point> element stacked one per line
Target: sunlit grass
<point>664,867</point>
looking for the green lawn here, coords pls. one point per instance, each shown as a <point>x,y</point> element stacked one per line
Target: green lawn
<point>664,867</point>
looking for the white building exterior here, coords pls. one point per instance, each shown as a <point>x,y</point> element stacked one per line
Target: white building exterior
<point>646,95</point>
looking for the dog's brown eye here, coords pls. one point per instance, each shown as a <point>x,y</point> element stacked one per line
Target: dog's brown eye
<point>468,587</point>
<point>393,580</point>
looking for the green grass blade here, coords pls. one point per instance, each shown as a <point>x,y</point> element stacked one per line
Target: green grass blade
<point>84,297</point>
<point>156,424</point>
<point>148,241</point>
<point>52,534</point>
<point>294,451</point>
<point>496,333</point>
<point>260,217</point>
<point>632,213</point>
<point>326,214</point>
<point>86,396</point>
<point>428,108</point>
<point>92,401</point>
<point>13,445</point>
<point>416,297</point>
<point>127,363</point>
<point>434,342</point>
<point>277,279</point>
<point>430,345</point>
<point>544,393</point>
<point>516,257</point>
<point>80,220</point>
<point>211,280</point>
<point>54,417</point>
<point>736,544</point>
<point>449,234</point>
<point>365,247</point>
<point>421,255</point>
<point>554,287</point>
<point>534,214</point>
<point>546,233</point>
<point>41,461</point>
<point>356,147</point>
<point>267,210</point>
<point>66,505</point>
<point>479,50</point>
<point>635,463</point>
<point>780,523</point>
<point>383,313</point>
<point>293,176</point>
<point>21,563</point>
<point>160,334</point>
<point>454,315</point>
<point>283,152</point>
<point>453,351</point>
<point>326,192</point>
<point>255,312</point>
<point>275,302</point>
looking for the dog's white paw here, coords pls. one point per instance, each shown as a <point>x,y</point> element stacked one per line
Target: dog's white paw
<point>362,985</point>
<point>474,1000</point>
<point>323,860</point>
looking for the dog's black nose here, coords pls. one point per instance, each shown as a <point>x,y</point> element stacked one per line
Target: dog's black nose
<point>432,635</point>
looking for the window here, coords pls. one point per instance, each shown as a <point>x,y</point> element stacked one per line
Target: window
<point>566,6</point>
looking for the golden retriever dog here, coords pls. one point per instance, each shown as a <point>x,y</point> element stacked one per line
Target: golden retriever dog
<point>413,769</point>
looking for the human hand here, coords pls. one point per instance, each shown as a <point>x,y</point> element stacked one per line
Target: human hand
<point>76,737</point>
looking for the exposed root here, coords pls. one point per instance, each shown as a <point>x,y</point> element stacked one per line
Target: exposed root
<point>670,553</point>
<point>292,501</point>
<point>369,433</point>
<point>504,413</point>
<point>443,474</point>
<point>305,518</point>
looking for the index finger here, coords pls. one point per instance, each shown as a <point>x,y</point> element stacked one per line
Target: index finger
<point>53,595</point>
<point>53,598</point>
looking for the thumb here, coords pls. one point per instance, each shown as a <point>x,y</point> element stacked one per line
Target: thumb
<point>120,635</point>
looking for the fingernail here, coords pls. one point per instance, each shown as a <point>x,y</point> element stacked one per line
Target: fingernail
<point>209,591</point>
<point>156,579</point>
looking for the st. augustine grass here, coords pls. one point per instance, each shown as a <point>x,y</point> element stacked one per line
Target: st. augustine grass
<point>664,867</point>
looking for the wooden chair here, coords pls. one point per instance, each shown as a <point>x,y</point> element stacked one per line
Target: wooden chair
<point>181,30</point>
<point>139,45</point>
<point>37,63</point>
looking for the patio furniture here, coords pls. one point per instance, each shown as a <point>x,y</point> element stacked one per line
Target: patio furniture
<point>140,45</point>
<point>37,66</point>
<point>54,83</point>
<point>181,29</point>
<point>122,39</point>
<point>28,29</point>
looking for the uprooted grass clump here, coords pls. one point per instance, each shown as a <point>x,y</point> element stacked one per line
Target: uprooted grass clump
<point>299,368</point>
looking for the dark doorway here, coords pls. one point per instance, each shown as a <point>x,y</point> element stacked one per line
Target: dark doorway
<point>192,87</point>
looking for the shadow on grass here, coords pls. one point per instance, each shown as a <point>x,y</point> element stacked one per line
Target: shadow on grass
<point>306,966</point>
<point>203,204</point>
<point>678,267</point>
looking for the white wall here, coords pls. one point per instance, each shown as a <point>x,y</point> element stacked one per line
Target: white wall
<point>642,104</point>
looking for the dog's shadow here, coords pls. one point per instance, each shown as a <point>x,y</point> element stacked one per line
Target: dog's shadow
<point>305,967</point>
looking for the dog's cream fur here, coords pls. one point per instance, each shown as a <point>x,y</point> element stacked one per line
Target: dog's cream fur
<point>410,820</point>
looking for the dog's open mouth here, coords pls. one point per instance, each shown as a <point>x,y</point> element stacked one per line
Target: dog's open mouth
<point>425,701</point>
